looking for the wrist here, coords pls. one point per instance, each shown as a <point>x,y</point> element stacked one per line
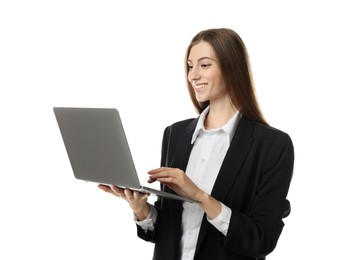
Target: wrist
<point>209,204</point>
<point>202,197</point>
<point>143,212</point>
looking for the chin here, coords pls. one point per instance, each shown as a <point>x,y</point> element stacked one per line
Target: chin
<point>201,99</point>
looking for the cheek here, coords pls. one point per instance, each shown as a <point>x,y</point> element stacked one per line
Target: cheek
<point>220,86</point>
<point>189,77</point>
<point>218,83</point>
<point>214,75</point>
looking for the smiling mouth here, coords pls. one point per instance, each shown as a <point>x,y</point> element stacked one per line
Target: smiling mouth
<point>198,86</point>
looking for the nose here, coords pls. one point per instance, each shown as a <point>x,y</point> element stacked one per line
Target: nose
<point>194,74</point>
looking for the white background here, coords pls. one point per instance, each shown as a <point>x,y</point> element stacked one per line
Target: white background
<point>307,60</point>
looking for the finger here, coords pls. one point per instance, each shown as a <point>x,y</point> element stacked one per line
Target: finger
<point>151,180</point>
<point>118,191</point>
<point>154,177</point>
<point>158,170</point>
<point>127,193</point>
<point>136,195</point>
<point>145,196</point>
<point>107,189</point>
<point>104,187</point>
<point>140,196</point>
<point>162,172</point>
<point>167,180</point>
<point>154,170</point>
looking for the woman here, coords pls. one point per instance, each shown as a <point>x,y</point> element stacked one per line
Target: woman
<point>229,159</point>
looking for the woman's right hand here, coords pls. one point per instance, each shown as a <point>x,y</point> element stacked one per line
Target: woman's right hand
<point>137,201</point>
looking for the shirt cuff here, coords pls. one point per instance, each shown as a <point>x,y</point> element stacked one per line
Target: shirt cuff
<point>149,222</point>
<point>222,221</point>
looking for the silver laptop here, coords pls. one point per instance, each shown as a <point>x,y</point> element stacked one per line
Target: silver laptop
<point>98,150</point>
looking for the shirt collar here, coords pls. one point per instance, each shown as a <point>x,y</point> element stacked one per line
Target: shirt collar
<point>228,128</point>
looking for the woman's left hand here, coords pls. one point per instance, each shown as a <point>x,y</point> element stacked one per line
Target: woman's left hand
<point>177,180</point>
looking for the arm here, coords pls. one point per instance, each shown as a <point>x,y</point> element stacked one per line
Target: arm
<point>255,231</point>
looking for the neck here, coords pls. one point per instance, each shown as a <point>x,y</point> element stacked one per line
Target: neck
<point>219,116</point>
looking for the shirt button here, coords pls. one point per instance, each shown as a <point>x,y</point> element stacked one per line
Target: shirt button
<point>203,160</point>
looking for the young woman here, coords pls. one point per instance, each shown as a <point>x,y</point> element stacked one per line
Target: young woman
<point>228,158</point>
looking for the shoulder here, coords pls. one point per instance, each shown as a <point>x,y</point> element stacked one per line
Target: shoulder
<point>269,145</point>
<point>179,128</point>
<point>273,139</point>
<point>263,134</point>
<point>183,125</point>
<point>268,131</point>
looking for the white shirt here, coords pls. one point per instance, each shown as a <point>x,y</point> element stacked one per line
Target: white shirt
<point>208,152</point>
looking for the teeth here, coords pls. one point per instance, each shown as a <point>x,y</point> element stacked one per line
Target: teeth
<point>200,86</point>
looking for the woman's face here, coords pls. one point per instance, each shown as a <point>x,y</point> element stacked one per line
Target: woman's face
<point>204,74</point>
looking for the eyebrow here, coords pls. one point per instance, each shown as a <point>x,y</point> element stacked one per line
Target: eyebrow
<point>202,58</point>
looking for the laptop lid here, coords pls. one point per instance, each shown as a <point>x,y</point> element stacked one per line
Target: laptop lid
<point>98,149</point>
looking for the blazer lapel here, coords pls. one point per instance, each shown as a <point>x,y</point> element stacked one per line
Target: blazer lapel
<point>230,168</point>
<point>179,160</point>
<point>183,147</point>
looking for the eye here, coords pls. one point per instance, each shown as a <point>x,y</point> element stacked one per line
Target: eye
<point>189,66</point>
<point>205,65</point>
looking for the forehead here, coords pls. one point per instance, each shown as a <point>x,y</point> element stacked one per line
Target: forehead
<point>200,51</point>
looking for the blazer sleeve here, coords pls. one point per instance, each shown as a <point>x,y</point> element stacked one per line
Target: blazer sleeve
<point>256,232</point>
<point>150,235</point>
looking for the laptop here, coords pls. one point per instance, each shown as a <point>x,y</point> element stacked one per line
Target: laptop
<point>98,149</point>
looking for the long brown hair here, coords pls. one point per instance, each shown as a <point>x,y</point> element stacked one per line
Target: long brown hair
<point>234,63</point>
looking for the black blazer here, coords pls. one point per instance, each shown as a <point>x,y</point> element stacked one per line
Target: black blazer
<point>253,181</point>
